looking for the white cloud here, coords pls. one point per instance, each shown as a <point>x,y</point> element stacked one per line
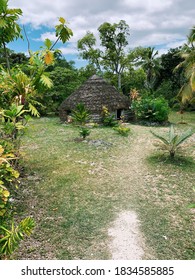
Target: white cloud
<point>148,5</point>
<point>69,49</point>
<point>151,22</point>
<point>47,35</point>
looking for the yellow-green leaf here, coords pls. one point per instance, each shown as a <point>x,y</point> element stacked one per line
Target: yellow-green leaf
<point>62,20</point>
<point>1,150</point>
<point>46,81</point>
<point>192,81</point>
<point>6,193</point>
<point>49,58</point>
<point>2,212</point>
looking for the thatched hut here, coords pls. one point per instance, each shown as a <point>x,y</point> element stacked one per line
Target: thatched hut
<point>94,94</point>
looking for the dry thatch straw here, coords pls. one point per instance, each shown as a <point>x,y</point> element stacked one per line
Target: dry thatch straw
<point>94,94</point>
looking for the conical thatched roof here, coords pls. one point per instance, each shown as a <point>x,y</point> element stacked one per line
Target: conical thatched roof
<point>94,94</point>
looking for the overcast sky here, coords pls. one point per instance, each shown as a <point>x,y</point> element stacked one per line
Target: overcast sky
<point>160,23</point>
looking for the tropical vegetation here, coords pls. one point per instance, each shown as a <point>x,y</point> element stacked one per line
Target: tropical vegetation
<point>33,86</point>
<point>173,141</point>
<point>19,91</point>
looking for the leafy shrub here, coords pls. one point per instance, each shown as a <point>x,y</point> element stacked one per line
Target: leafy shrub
<point>13,121</point>
<point>4,196</point>
<point>173,141</point>
<point>151,109</point>
<point>10,238</point>
<point>108,119</point>
<point>122,130</point>
<point>84,132</point>
<point>10,235</point>
<point>80,115</point>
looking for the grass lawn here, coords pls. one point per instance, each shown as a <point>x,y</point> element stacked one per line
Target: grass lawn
<point>74,190</point>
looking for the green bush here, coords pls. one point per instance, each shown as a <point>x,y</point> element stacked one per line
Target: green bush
<point>122,130</point>
<point>84,132</point>
<point>80,115</point>
<point>150,109</point>
<point>10,235</point>
<point>108,119</point>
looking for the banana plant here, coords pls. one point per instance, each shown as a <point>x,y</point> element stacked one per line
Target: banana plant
<point>172,142</point>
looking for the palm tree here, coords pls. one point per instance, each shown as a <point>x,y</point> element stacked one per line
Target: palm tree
<point>187,92</point>
<point>151,65</point>
<point>191,37</point>
<point>172,142</point>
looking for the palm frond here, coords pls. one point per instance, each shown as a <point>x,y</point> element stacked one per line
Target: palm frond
<point>185,93</point>
<point>163,139</point>
<point>184,136</point>
<point>192,81</point>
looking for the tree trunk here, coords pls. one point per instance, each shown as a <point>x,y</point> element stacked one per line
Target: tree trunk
<point>172,154</point>
<point>7,57</point>
<point>119,81</point>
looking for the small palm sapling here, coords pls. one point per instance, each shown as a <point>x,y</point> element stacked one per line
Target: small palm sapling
<point>172,142</point>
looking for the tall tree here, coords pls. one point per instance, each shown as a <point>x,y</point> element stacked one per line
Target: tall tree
<point>87,46</point>
<point>113,39</point>
<point>9,28</point>
<point>150,64</point>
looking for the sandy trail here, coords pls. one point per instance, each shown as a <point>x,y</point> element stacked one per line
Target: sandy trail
<point>126,240</point>
<point>127,243</point>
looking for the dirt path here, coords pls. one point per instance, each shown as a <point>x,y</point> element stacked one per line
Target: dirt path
<point>126,240</point>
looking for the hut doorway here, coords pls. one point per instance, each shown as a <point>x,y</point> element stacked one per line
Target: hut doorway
<point>118,114</point>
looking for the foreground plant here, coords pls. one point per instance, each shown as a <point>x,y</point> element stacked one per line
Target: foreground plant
<point>108,119</point>
<point>80,115</point>
<point>172,142</point>
<point>10,234</point>
<point>122,130</point>
<point>84,132</point>
<point>13,120</point>
<point>11,238</point>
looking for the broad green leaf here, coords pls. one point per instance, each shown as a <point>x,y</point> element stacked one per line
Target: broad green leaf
<point>3,23</point>
<point>3,6</point>
<point>16,12</point>
<point>48,43</point>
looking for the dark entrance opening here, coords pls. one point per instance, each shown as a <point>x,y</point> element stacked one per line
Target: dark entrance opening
<point>118,114</point>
